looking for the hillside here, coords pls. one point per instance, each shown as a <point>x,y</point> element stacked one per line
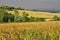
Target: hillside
<point>37,14</point>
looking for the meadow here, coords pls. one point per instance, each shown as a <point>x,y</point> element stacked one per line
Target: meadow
<point>30,31</point>
<point>36,14</point>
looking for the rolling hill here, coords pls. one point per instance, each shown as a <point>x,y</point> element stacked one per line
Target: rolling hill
<point>36,14</point>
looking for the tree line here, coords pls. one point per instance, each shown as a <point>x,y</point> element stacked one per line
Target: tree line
<point>9,17</point>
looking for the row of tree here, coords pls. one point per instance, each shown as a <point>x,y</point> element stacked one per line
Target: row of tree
<point>10,8</point>
<point>9,17</point>
<point>25,18</point>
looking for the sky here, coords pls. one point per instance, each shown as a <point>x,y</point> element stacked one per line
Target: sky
<point>33,4</point>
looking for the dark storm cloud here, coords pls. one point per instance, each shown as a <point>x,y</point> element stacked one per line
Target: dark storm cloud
<point>33,4</point>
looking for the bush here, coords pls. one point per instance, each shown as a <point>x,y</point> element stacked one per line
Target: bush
<point>2,14</point>
<point>56,18</point>
<point>5,17</point>
<point>25,17</point>
<point>8,17</point>
<point>32,19</point>
<point>40,19</point>
<point>16,15</point>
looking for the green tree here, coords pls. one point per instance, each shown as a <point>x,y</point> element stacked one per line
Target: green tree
<point>56,18</point>
<point>9,17</point>
<point>25,17</point>
<point>41,19</point>
<point>2,13</point>
<point>32,19</point>
<point>5,7</point>
<point>16,16</point>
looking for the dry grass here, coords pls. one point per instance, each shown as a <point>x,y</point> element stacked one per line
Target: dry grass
<point>30,31</point>
<point>36,14</point>
<point>29,25</point>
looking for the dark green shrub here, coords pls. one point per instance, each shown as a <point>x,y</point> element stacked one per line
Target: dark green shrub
<point>56,18</point>
<point>40,19</point>
<point>32,19</point>
<point>2,14</point>
<point>25,17</point>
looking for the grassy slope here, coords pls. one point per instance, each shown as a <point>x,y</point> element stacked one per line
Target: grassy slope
<point>37,14</point>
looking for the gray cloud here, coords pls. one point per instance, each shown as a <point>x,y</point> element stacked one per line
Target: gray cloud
<point>33,4</point>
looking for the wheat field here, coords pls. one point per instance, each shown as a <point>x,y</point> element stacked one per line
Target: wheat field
<point>30,31</point>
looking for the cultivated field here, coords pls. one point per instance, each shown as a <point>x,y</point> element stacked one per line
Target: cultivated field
<point>30,31</point>
<point>36,14</point>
